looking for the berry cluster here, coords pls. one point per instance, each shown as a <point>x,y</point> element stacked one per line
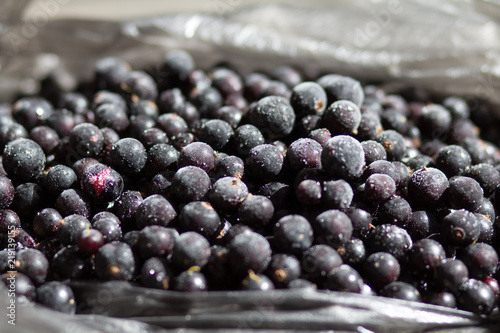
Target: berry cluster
<point>190,180</point>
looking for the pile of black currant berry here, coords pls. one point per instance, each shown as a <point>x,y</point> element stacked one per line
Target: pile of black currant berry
<point>182,179</point>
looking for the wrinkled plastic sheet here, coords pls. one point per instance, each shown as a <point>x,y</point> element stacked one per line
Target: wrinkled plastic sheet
<point>449,47</point>
<point>115,307</point>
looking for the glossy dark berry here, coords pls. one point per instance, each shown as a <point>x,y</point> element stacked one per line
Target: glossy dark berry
<point>228,193</point>
<point>59,178</point>
<point>33,264</point>
<point>191,249</point>
<point>380,269</point>
<point>425,255</point>
<point>46,137</point>
<point>9,220</point>
<point>256,211</point>
<point>249,251</point>
<point>333,227</point>
<point>391,239</point>
<point>257,282</point>
<point>481,260</point>
<point>206,100</point>
<point>401,290</point>
<point>264,162</point>
<point>47,222</point>
<point>443,298</point>
<point>273,116</point>
<point>361,220</point>
<point>153,136</point>
<point>115,261</point>
<point>486,227</point>
<point>342,117</point>
<point>31,111</point>
<point>139,85</point>
<point>434,121</point>
<point>155,210</point>
<point>176,65</point>
<point>379,188</point>
<point>190,183</point>
<point>304,153</point>
<point>128,156</point>
<point>453,160</point>
<point>422,224</point>
<point>109,72</point>
<point>308,98</point>
<point>427,186</point>
<point>369,127</point>
<point>28,200</point>
<point>475,296</point>
<point>293,234</point>
<point>320,135</point>
<point>191,281</point>
<point>105,215</point>
<point>229,166</point>
<point>126,206</point>
<point>71,227</point>
<point>155,241</point>
<point>374,151</point>
<point>393,143</point>
<point>395,210</point>
<point>217,133</point>
<point>6,191</point>
<point>301,284</point>
<point>382,167</point>
<point>109,228</point>
<point>283,269</point>
<point>198,154</point>
<point>57,296</point>
<point>465,192</point>
<point>308,192</point>
<point>338,87</point>
<point>318,261</point>
<point>21,284</point>
<point>23,159</point>
<point>353,252</point>
<point>86,140</point>
<point>460,228</point>
<point>343,157</point>
<point>101,183</point>
<point>90,241</point>
<point>70,263</point>
<point>161,157</point>
<point>113,116</point>
<point>486,175</point>
<point>155,274</point>
<point>458,107</point>
<point>451,273</point>
<point>73,201</point>
<point>344,278</point>
<point>201,217</point>
<point>245,138</point>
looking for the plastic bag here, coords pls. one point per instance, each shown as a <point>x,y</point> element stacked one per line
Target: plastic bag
<point>141,310</point>
<point>448,47</point>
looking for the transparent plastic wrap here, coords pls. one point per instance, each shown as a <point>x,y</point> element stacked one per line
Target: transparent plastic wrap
<point>448,47</point>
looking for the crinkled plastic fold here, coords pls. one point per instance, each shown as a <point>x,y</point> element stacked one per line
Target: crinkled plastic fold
<point>120,307</point>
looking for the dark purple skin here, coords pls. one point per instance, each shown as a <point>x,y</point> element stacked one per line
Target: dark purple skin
<point>102,183</point>
<point>155,210</point>
<point>304,153</point>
